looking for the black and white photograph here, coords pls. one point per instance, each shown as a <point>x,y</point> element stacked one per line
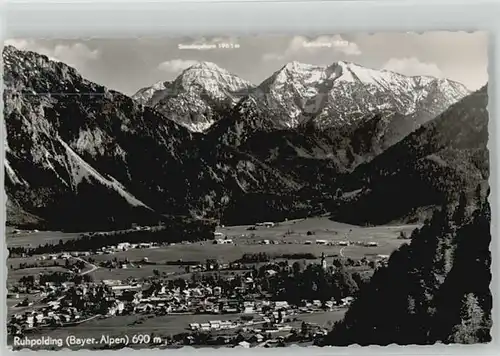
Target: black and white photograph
<point>258,191</point>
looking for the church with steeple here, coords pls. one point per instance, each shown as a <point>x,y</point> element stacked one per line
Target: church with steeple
<point>325,266</point>
<point>323,261</point>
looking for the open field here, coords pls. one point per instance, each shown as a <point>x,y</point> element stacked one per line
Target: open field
<point>15,275</point>
<point>291,237</point>
<point>34,239</point>
<point>132,272</point>
<point>15,262</point>
<point>12,302</point>
<point>323,319</point>
<point>321,227</point>
<point>45,266</point>
<point>11,305</point>
<point>230,253</point>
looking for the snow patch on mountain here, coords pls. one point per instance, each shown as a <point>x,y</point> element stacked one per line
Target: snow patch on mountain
<point>11,174</point>
<point>96,143</point>
<point>91,141</point>
<point>200,126</point>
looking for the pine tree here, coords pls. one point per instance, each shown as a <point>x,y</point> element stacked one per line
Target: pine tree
<point>460,212</point>
<point>477,195</point>
<point>472,321</point>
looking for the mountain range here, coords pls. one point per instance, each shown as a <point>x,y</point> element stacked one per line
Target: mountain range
<point>331,96</point>
<point>210,145</point>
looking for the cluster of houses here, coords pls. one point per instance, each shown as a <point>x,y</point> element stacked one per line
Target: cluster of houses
<point>209,300</point>
<point>47,317</point>
<point>221,239</point>
<point>214,325</point>
<point>199,300</point>
<point>141,228</point>
<point>367,243</point>
<point>66,304</point>
<point>265,337</point>
<point>18,231</point>
<point>125,246</point>
<point>263,324</point>
<point>265,224</point>
<point>342,243</point>
<point>223,242</point>
<point>269,242</point>
<point>134,227</point>
<point>203,299</point>
<point>63,256</point>
<point>61,305</point>
<point>271,319</point>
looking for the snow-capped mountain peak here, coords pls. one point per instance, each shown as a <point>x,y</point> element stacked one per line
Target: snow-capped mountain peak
<point>296,72</point>
<point>211,78</point>
<point>190,98</point>
<point>205,65</point>
<point>331,94</point>
<point>296,66</point>
<point>351,72</point>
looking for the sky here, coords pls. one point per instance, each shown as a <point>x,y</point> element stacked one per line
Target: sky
<point>127,65</point>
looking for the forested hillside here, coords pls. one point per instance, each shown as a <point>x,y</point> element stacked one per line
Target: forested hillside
<point>436,289</point>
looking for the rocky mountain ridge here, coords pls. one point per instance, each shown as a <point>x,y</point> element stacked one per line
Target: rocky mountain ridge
<point>81,156</point>
<point>330,96</point>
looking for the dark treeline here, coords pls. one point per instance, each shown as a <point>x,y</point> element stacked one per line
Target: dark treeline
<point>266,257</point>
<point>56,277</point>
<point>436,289</point>
<point>254,258</point>
<point>268,207</point>
<point>298,256</point>
<point>315,283</point>
<point>176,231</point>
<point>182,263</point>
<point>302,281</point>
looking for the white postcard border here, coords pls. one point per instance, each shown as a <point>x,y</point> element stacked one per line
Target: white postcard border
<point>121,18</point>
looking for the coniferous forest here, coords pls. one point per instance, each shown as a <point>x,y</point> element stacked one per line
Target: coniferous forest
<point>434,289</point>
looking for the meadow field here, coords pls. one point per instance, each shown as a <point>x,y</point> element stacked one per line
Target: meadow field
<point>285,238</point>
<point>36,238</point>
<point>290,237</point>
<point>15,275</point>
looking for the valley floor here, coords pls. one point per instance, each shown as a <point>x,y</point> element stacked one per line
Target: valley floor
<point>314,236</point>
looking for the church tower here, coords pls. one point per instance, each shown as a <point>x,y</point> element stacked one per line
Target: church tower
<point>323,261</point>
